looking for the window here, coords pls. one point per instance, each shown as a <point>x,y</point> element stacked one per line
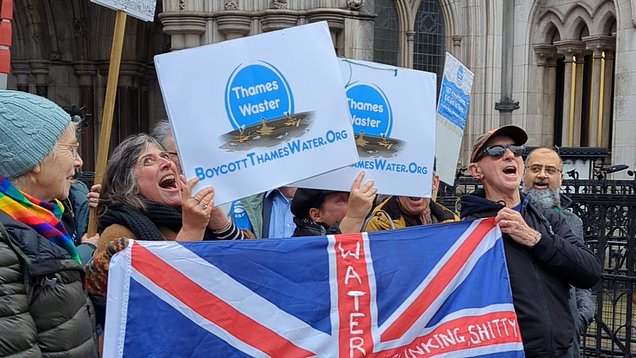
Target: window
<point>386,33</point>
<point>429,49</point>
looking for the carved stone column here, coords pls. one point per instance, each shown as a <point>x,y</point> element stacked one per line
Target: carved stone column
<point>132,117</point>
<point>21,71</point>
<point>410,43</point>
<point>598,45</point>
<point>335,19</point>
<point>569,49</point>
<point>506,103</point>
<point>40,69</point>
<point>184,27</point>
<point>546,75</point>
<point>608,98</point>
<point>233,24</point>
<point>273,20</point>
<point>578,103</point>
<point>86,72</point>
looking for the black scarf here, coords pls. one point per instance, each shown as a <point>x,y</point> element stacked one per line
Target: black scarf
<point>307,227</point>
<point>145,224</point>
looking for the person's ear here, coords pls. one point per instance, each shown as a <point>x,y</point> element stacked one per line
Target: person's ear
<point>475,171</point>
<point>435,182</point>
<point>37,169</point>
<point>314,214</point>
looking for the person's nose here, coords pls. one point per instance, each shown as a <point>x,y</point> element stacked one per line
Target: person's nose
<point>543,174</point>
<point>78,161</point>
<point>508,154</point>
<point>164,162</point>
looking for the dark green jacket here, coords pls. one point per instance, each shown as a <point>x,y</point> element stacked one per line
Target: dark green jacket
<point>44,309</point>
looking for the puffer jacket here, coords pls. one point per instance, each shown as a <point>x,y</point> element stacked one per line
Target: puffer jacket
<point>388,215</point>
<point>540,277</point>
<point>44,309</point>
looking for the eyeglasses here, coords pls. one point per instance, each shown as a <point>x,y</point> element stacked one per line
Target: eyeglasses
<point>499,150</point>
<point>549,169</point>
<point>73,147</point>
<point>173,153</point>
<point>152,159</point>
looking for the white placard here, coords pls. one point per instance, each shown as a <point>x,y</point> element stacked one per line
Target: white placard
<point>141,9</point>
<point>452,112</point>
<point>393,116</point>
<point>259,112</point>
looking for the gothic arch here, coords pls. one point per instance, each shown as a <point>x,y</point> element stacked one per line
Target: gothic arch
<point>448,13</point>
<point>580,8</point>
<point>550,15</point>
<point>405,21</point>
<point>30,35</point>
<point>577,20</point>
<point>426,33</point>
<point>552,34</point>
<point>81,28</point>
<point>605,25</point>
<point>547,23</point>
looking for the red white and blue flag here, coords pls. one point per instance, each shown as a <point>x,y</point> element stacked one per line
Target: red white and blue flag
<point>435,291</point>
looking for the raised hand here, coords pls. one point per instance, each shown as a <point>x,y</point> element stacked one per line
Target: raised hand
<point>196,210</point>
<point>361,197</point>
<point>359,204</point>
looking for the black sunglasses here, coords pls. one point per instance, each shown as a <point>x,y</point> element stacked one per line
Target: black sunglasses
<point>498,151</point>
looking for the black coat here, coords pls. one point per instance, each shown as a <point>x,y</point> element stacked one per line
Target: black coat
<point>540,277</point>
<point>44,309</point>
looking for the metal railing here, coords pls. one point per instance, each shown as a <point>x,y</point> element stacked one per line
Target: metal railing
<point>608,211</point>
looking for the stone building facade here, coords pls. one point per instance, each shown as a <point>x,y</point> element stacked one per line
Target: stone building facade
<point>565,70</point>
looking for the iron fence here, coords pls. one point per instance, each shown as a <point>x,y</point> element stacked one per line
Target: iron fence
<point>608,211</point>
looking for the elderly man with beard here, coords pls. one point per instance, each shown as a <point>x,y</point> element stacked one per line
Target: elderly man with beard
<point>542,181</point>
<point>542,254</point>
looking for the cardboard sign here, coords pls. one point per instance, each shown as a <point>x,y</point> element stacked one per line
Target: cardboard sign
<point>393,116</point>
<point>452,111</point>
<point>141,9</point>
<point>259,112</point>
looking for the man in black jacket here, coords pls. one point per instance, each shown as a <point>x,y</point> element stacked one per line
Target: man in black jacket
<point>542,181</point>
<point>543,256</point>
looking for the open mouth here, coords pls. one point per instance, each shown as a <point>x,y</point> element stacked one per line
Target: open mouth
<point>510,170</point>
<point>540,185</point>
<point>168,182</point>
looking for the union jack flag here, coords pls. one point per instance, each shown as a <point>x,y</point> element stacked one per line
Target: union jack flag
<point>436,291</point>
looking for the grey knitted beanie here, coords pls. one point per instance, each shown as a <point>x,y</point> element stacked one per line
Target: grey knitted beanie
<point>29,127</point>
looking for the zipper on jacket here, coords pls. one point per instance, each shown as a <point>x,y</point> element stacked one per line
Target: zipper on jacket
<point>540,283</point>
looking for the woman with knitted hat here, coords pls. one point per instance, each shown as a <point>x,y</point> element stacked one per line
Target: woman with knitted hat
<point>44,308</point>
<point>144,198</point>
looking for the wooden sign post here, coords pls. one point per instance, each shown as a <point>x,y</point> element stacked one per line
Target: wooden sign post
<point>109,108</point>
<point>143,10</point>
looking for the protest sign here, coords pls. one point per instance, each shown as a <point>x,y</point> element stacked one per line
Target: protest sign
<point>256,113</point>
<point>141,9</point>
<point>393,116</point>
<point>452,111</point>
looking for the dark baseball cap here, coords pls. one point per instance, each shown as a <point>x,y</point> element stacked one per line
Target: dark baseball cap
<point>305,199</point>
<point>517,134</point>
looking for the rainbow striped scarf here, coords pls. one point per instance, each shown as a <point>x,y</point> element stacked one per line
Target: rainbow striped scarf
<point>42,216</point>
